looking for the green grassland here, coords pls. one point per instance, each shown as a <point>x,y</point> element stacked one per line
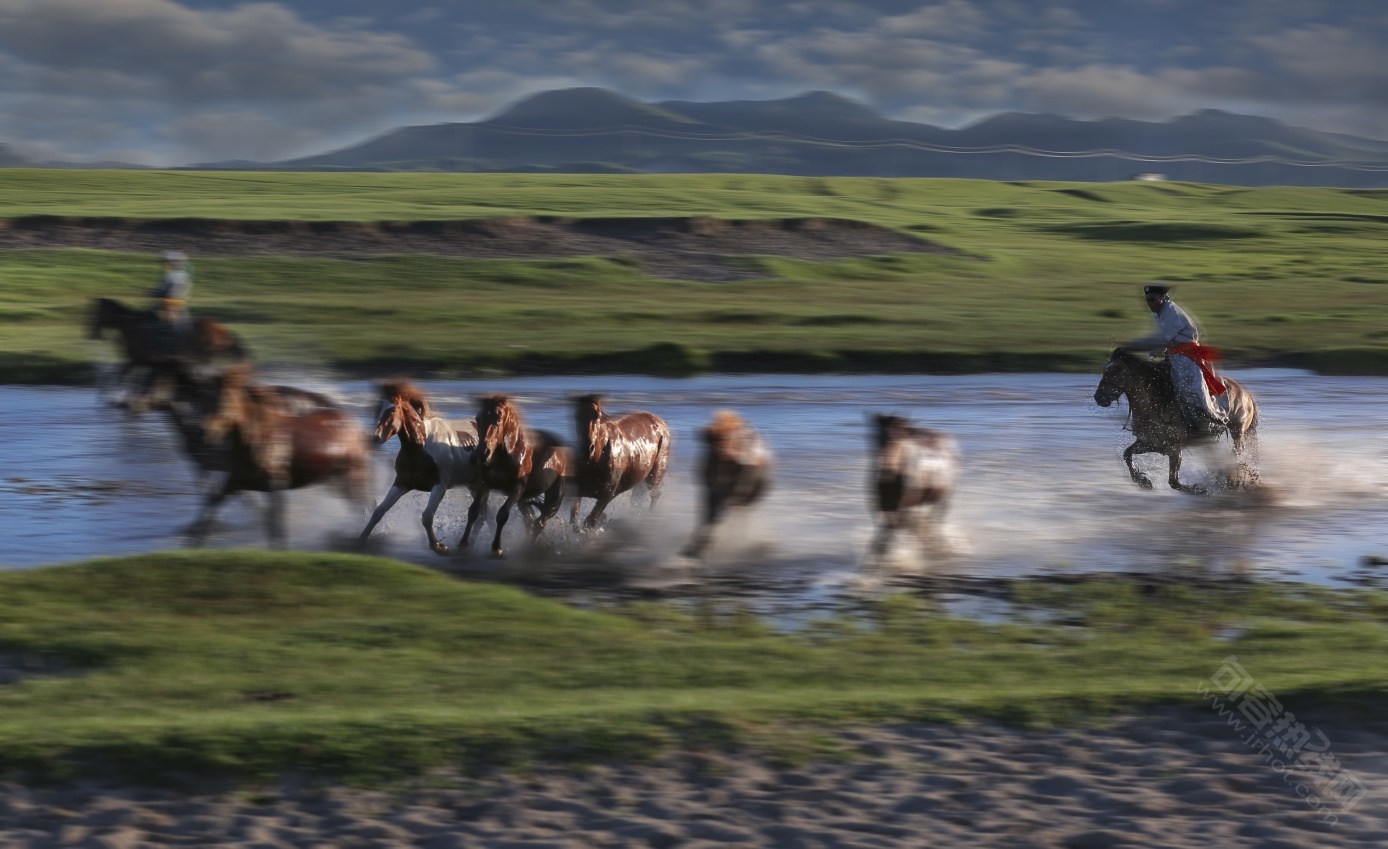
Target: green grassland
<point>1047,280</point>
<point>255,662</point>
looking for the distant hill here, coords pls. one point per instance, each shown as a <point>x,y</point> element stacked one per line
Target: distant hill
<point>10,159</point>
<point>823,134</point>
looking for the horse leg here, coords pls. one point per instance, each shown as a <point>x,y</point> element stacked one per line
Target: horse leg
<point>197,531</point>
<point>502,515</point>
<point>703,535</point>
<point>1138,477</point>
<point>575,512</point>
<point>395,494</point>
<point>553,501</point>
<point>1173,458</point>
<point>479,501</point>
<point>435,498</point>
<point>274,518</point>
<point>596,516</point>
<point>1244,475</point>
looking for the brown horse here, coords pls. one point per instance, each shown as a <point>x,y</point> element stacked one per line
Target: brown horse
<point>915,469</point>
<point>736,472</point>
<point>271,448</point>
<point>435,454</point>
<point>1158,426</point>
<point>208,342</point>
<point>615,453</point>
<point>524,464</point>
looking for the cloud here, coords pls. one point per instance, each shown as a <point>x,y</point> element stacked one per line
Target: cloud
<point>258,51</point>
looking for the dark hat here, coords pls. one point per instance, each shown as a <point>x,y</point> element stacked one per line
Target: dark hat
<point>1155,289</point>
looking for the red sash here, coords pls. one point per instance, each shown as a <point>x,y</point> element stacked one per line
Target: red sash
<point>1202,355</point>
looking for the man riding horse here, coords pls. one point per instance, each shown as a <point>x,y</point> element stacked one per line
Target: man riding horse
<point>1196,384</point>
<point>174,324</point>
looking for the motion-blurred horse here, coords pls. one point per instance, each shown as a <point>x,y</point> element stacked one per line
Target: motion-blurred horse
<point>914,473</point>
<point>144,346</point>
<point>187,397</point>
<point>435,453</point>
<point>615,454</point>
<point>271,447</point>
<point>736,472</point>
<point>1158,426</point>
<point>524,464</point>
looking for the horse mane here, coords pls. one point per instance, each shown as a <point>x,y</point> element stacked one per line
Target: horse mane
<point>404,389</point>
<point>1153,374</point>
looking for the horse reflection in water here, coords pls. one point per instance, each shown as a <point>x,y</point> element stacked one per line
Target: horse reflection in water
<point>615,454</point>
<point>435,454</point>
<point>915,471</point>
<point>144,347</point>
<point>270,446</point>
<point>736,472</point>
<point>524,464</point>
<point>1158,426</point>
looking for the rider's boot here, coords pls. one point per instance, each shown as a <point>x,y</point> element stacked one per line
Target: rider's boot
<point>1203,424</point>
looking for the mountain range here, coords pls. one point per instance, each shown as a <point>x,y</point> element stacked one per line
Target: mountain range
<point>823,134</point>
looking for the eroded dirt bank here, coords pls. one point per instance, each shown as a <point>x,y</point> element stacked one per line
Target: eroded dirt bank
<point>675,248</point>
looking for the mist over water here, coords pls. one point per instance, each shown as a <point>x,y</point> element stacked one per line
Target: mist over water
<point>1044,488</point>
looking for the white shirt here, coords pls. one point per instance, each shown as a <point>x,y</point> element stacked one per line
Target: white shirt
<point>1173,328</point>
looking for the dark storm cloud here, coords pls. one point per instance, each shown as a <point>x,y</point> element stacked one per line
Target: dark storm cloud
<point>200,79</point>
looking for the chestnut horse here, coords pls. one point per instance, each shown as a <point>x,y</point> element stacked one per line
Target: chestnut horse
<point>915,469</point>
<point>143,348</point>
<point>736,472</point>
<point>271,447</point>
<point>615,453</point>
<point>435,454</point>
<point>524,464</point>
<point>186,398</point>
<point>1158,426</point>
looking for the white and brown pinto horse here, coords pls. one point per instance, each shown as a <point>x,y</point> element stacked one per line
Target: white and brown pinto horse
<point>1158,426</point>
<point>271,446</point>
<point>524,464</point>
<point>435,453</point>
<point>914,474</point>
<point>736,472</point>
<point>615,454</point>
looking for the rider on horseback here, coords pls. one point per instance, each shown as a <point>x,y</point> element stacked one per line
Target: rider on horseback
<point>175,324</point>
<point>1194,378</point>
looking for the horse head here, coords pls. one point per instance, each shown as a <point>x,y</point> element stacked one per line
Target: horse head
<point>725,434</point>
<point>887,428</point>
<point>1116,378</point>
<point>587,413</point>
<point>230,407</point>
<point>498,428</point>
<point>403,410</point>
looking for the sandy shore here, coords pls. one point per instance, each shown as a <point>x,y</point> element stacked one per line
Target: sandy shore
<point>1178,778</point>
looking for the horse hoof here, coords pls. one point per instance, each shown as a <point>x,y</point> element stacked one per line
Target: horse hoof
<point>497,553</point>
<point>1143,483</point>
<point>442,550</point>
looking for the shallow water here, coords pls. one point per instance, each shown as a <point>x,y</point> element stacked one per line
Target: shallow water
<point>1044,489</point>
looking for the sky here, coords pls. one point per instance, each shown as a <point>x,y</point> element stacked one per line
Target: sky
<point>179,81</point>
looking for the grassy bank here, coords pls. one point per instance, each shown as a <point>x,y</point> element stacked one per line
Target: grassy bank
<point>1277,276</point>
<point>254,662</point>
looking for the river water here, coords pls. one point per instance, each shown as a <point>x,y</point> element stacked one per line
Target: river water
<point>1044,489</point>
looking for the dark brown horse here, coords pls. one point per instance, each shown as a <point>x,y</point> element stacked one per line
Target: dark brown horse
<point>523,464</point>
<point>270,447</point>
<point>1158,426</point>
<point>143,346</point>
<point>736,472</point>
<point>914,473</point>
<point>435,454</point>
<point>615,453</point>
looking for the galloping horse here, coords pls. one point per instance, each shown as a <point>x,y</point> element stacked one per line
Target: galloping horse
<point>435,454</point>
<point>208,341</point>
<point>615,453</point>
<point>524,464</point>
<point>271,447</point>
<point>1157,424</point>
<point>187,398</point>
<point>736,472</point>
<point>915,469</point>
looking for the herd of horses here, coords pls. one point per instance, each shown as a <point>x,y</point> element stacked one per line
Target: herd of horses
<point>271,439</point>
